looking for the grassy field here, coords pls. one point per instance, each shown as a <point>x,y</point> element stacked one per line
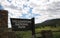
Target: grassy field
<point>28,34</point>
<point>47,28</point>
<point>55,34</point>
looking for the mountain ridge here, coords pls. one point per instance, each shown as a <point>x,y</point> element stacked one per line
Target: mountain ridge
<point>51,22</point>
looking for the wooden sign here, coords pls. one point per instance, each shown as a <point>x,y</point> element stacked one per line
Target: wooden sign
<point>21,24</point>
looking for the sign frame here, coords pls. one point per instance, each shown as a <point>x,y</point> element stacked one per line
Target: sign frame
<point>30,23</point>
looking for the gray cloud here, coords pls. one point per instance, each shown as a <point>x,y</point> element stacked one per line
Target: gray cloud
<point>54,8</point>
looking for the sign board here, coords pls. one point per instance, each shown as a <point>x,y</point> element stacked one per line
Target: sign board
<point>21,24</point>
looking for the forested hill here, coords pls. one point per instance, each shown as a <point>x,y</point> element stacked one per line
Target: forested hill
<point>52,22</point>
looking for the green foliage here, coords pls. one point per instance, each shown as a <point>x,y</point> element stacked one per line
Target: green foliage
<point>56,34</point>
<point>28,34</point>
<point>24,34</point>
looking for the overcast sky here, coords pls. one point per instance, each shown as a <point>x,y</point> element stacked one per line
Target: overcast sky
<point>40,9</point>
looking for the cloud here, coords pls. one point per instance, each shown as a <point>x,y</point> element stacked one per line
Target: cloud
<point>12,14</point>
<point>54,9</point>
<point>41,9</point>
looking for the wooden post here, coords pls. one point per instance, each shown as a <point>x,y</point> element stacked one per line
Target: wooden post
<point>33,28</point>
<point>3,20</point>
<point>47,34</point>
<point>3,23</point>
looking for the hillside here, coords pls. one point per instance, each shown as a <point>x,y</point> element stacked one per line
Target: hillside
<point>52,22</point>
